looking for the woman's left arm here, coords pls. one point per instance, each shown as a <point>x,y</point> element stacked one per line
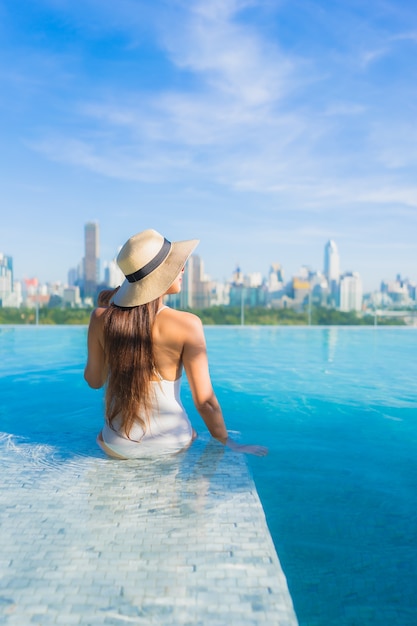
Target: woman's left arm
<point>95,372</point>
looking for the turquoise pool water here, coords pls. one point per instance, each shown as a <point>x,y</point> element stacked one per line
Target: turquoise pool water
<point>337,408</point>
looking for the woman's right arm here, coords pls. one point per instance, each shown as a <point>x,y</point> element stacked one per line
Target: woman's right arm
<point>195,363</point>
<point>197,369</point>
<point>95,372</point>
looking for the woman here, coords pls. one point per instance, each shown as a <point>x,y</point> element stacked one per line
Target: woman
<point>138,347</point>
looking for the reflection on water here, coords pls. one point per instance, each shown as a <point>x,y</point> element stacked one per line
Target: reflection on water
<point>330,337</point>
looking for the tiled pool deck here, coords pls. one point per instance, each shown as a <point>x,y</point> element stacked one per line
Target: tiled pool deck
<point>91,541</point>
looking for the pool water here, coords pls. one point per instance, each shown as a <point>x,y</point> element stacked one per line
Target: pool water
<point>337,409</point>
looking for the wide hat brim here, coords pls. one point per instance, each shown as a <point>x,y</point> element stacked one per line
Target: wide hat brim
<point>156,284</point>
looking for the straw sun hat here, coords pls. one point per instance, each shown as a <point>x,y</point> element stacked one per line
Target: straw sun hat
<point>150,264</point>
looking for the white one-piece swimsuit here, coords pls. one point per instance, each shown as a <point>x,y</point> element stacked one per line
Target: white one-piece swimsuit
<point>169,430</point>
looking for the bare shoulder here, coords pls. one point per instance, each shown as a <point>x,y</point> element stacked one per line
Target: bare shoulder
<point>96,316</point>
<point>188,321</point>
<point>182,326</point>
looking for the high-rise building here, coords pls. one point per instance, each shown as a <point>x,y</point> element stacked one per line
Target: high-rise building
<point>237,278</point>
<point>72,277</point>
<point>91,259</point>
<point>6,278</point>
<point>10,290</point>
<point>71,296</point>
<point>331,262</point>
<point>195,291</point>
<point>351,292</point>
<point>196,287</point>
<point>113,275</point>
<point>332,271</point>
<point>276,280</point>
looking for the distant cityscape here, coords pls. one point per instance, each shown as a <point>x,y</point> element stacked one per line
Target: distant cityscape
<point>327,288</point>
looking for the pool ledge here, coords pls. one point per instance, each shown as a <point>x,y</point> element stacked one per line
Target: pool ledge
<point>92,541</point>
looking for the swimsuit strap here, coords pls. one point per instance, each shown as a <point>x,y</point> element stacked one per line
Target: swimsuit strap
<point>155,371</point>
<point>164,306</point>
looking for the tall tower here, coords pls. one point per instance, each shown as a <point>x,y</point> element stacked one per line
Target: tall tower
<point>91,259</point>
<point>331,262</point>
<point>332,271</point>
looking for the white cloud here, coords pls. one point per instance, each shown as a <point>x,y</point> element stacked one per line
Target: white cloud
<point>250,119</point>
<point>234,59</point>
<point>395,145</point>
<point>406,36</point>
<point>113,162</point>
<point>368,57</point>
<point>391,195</point>
<point>340,109</point>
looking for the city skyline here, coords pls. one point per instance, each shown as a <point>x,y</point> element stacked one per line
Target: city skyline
<point>330,287</point>
<point>262,128</point>
<point>332,269</point>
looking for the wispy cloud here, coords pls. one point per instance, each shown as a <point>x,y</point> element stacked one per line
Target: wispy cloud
<point>234,60</point>
<point>238,81</point>
<point>250,116</point>
<point>368,57</point>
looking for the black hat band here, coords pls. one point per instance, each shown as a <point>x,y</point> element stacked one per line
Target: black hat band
<point>152,265</point>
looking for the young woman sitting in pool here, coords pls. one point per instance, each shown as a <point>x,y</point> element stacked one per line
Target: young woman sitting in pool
<point>138,348</point>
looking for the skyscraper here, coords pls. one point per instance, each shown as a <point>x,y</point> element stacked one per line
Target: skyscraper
<point>195,291</point>
<point>331,262</point>
<point>332,271</point>
<point>6,278</point>
<point>91,259</point>
<point>275,276</point>
<point>113,275</point>
<point>351,292</point>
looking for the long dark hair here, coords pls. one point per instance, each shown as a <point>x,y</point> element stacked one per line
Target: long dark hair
<point>129,355</point>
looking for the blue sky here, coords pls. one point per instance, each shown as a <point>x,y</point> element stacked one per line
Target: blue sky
<point>262,128</point>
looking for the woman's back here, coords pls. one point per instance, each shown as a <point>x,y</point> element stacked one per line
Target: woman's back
<point>169,336</point>
<point>168,428</point>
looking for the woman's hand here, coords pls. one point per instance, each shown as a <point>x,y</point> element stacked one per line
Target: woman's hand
<point>246,449</point>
